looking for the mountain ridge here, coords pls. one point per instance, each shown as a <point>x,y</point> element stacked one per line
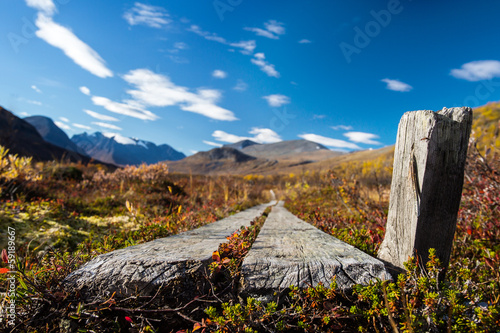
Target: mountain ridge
<point>282,149</point>
<point>247,156</point>
<point>50,132</point>
<point>120,150</point>
<point>223,160</point>
<point>22,138</point>
<point>242,144</point>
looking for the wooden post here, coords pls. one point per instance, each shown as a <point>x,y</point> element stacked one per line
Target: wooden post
<point>427,180</point>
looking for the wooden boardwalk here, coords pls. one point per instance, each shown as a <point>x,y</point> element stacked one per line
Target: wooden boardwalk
<point>145,267</point>
<point>287,251</point>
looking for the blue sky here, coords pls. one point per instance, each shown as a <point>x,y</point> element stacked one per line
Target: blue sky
<point>197,74</point>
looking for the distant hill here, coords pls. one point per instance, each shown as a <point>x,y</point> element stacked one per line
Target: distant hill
<point>224,160</point>
<point>297,152</point>
<point>120,150</point>
<point>486,126</point>
<point>254,158</point>
<point>282,148</point>
<point>218,154</point>
<point>50,132</point>
<point>22,138</point>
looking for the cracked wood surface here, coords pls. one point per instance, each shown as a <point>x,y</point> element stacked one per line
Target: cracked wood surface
<point>289,251</point>
<point>143,268</point>
<point>427,180</point>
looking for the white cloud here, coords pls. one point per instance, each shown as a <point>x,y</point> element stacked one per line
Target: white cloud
<point>319,116</point>
<point>272,29</point>
<point>227,137</point>
<point>85,90</point>
<point>179,60</point>
<point>151,16</point>
<point>277,100</point>
<point>100,116</point>
<point>262,32</point>
<point>478,70</point>
<point>180,46</point>
<point>259,60</point>
<point>261,135</point>
<point>129,108</point>
<point>120,138</point>
<point>66,120</point>
<point>304,41</point>
<point>329,142</point>
<point>24,114</point>
<point>157,90</point>
<point>341,127</point>
<point>210,143</point>
<point>361,137</point>
<point>240,85</point>
<point>82,126</point>
<point>218,74</point>
<point>397,85</point>
<point>46,6</point>
<point>264,135</point>
<point>35,88</point>
<point>62,125</point>
<point>51,83</point>
<point>207,35</point>
<point>62,38</point>
<point>33,102</point>
<point>275,27</point>
<point>246,47</point>
<point>106,125</point>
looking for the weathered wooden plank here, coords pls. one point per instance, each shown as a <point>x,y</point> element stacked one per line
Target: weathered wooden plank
<point>427,181</point>
<point>143,268</point>
<point>289,251</point>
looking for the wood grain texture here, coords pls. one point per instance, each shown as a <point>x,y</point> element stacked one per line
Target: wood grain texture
<point>427,180</point>
<point>143,268</point>
<point>289,251</point>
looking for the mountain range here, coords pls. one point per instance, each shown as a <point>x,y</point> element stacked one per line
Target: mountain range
<point>110,148</point>
<point>22,138</point>
<point>247,156</point>
<point>40,138</point>
<point>120,150</point>
<point>277,150</point>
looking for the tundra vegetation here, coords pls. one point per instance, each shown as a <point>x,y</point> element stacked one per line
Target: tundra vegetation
<point>66,214</point>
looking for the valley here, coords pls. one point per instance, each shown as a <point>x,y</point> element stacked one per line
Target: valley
<point>69,211</point>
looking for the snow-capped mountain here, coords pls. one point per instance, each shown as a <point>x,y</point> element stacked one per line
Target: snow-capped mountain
<point>118,149</point>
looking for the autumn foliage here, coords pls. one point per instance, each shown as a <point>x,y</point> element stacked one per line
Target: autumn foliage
<point>66,214</point>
